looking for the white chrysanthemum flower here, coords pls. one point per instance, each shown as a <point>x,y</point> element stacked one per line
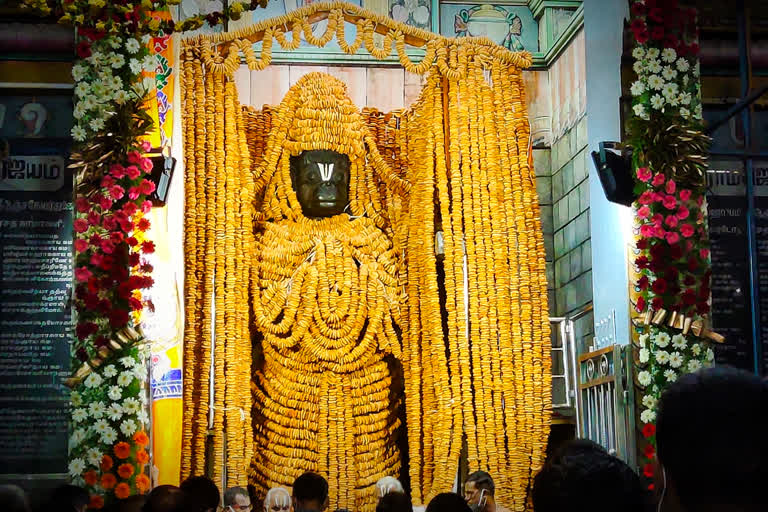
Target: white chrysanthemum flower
<point>696,349</point>
<point>640,111</point>
<point>79,415</point>
<point>149,63</point>
<point>117,61</point>
<point>125,379</point>
<point>128,427</point>
<point>131,406</point>
<point>675,360</point>
<point>685,112</point>
<point>669,90</point>
<point>654,66</point>
<point>109,437</point>
<point>648,416</point>
<point>662,339</point>
<point>76,466</point>
<point>657,102</point>
<point>686,78</point>
<point>668,55</point>
<point>97,410</point>
<point>78,133</point>
<point>678,341</point>
<point>127,362</point>
<point>652,53</point>
<point>115,42</point>
<point>644,355</point>
<point>121,96</point>
<point>88,102</point>
<point>132,46</point>
<point>649,401</point>
<point>683,65</point>
<point>98,88</point>
<point>94,456</point>
<point>96,124</point>
<point>76,399</point>
<point>115,393</point>
<point>655,82</point>
<point>115,412</point>
<point>135,66</point>
<point>142,417</point>
<point>670,375</point>
<point>77,437</point>
<point>644,378</point>
<point>638,67</point>
<point>93,380</point>
<point>101,426</point>
<point>96,58</point>
<point>668,73</point>
<point>148,83</point>
<point>685,98</point>
<point>81,89</point>
<point>79,71</point>
<point>662,357</point>
<point>78,112</point>
<point>697,113</point>
<point>672,101</point>
<point>694,365</point>
<point>638,53</point>
<point>638,88</point>
<point>110,371</point>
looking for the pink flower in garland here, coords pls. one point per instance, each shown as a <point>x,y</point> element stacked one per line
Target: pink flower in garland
<point>96,259</point>
<point>658,180</point>
<point>109,222</point>
<point>645,198</point>
<point>130,209</point>
<point>671,221</point>
<point>81,205</point>
<point>133,172</point>
<point>682,213</point>
<point>94,219</point>
<point>134,157</point>
<point>146,187</point>
<point>646,230</point>
<point>117,171</point>
<point>659,232</point>
<point>116,192</point>
<point>145,146</point>
<point>687,230</point>
<point>107,181</point>
<point>644,174</point>
<point>670,187</point>
<point>80,225</point>
<point>105,203</point>
<point>672,237</point>
<point>81,245</point>
<point>107,246</point>
<point>685,194</point>
<point>146,206</point>
<point>643,212</point>
<point>669,202</point>
<point>83,274</point>
<point>134,193</point>
<point>704,253</point>
<point>657,219</point>
<point>146,164</point>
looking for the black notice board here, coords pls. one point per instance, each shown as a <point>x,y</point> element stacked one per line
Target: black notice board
<point>36,217</point>
<point>731,315</point>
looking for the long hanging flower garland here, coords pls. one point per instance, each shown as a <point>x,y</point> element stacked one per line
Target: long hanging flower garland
<point>113,77</point>
<point>672,263</point>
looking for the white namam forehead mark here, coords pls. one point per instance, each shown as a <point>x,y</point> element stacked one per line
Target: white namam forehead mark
<point>326,171</point>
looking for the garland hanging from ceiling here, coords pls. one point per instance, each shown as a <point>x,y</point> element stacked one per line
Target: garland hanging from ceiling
<point>477,366</point>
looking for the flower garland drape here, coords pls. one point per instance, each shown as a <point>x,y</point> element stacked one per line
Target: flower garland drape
<point>672,264</point>
<point>469,132</point>
<point>114,76</point>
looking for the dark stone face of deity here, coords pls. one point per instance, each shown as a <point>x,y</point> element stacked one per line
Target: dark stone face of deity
<point>321,181</point>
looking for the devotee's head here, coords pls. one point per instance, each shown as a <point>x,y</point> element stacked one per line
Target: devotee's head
<point>387,485</point>
<point>310,493</point>
<point>448,502</point>
<point>69,497</point>
<point>583,476</point>
<point>278,500</point>
<point>237,499</point>
<point>479,489</point>
<point>166,498</point>
<point>712,442</point>
<point>133,503</point>
<point>394,502</point>
<point>13,499</point>
<point>203,493</point>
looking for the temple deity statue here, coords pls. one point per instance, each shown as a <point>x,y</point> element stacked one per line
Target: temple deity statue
<point>326,298</point>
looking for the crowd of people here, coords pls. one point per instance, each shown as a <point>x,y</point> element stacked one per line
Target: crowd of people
<point>712,437</point>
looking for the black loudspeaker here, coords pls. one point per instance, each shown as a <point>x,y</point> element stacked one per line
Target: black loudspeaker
<point>615,172</point>
<point>161,174</point>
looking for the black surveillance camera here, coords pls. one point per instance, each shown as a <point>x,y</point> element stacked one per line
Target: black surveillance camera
<point>614,167</point>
